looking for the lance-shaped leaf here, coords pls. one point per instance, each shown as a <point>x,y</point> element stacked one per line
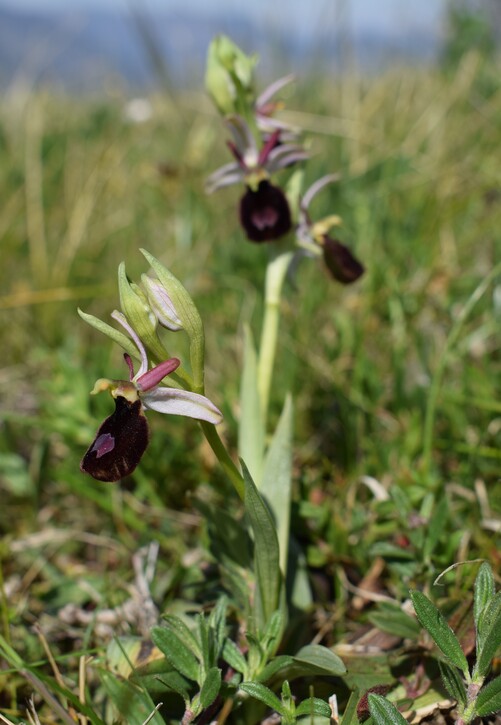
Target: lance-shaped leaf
<point>210,687</point>
<point>435,624</point>
<point>489,698</point>
<point>384,712</point>
<point>266,552</point>
<point>489,634</point>
<point>483,593</point>
<point>264,694</point>
<point>187,313</point>
<point>176,652</point>
<point>316,659</point>
<point>453,682</point>
<point>277,479</point>
<point>250,429</point>
<point>314,706</point>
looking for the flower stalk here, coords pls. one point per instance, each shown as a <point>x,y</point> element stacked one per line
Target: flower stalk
<point>275,276</point>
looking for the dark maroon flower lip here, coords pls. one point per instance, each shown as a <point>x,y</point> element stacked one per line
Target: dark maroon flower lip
<point>119,444</point>
<point>340,262</point>
<point>264,213</point>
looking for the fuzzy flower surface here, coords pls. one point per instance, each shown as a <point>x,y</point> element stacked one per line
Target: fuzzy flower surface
<point>123,437</point>
<point>264,210</point>
<point>315,239</point>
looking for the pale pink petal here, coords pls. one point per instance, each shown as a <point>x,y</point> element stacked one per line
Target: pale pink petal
<point>182,402</point>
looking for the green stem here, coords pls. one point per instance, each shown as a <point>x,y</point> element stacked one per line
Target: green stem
<point>275,276</point>
<point>431,408</point>
<point>223,457</point>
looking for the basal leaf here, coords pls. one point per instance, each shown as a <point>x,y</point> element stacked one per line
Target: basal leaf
<point>266,553</point>
<point>277,479</point>
<point>435,624</point>
<point>251,430</point>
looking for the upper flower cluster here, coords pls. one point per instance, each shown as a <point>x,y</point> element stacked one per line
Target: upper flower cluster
<point>262,146</point>
<point>123,437</point>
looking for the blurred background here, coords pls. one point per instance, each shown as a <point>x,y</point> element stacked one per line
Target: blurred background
<point>93,46</point>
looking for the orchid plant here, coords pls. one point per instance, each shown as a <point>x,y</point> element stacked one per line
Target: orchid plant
<point>268,155</point>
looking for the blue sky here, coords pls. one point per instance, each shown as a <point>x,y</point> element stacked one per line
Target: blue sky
<point>388,15</point>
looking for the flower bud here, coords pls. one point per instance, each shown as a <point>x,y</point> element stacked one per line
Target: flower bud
<point>161,304</point>
<point>229,76</point>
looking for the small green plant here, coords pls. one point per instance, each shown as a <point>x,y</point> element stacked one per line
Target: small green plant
<point>467,685</point>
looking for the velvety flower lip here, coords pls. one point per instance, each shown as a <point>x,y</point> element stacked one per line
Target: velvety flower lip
<point>265,213</point>
<point>340,262</point>
<point>314,238</point>
<point>123,437</point>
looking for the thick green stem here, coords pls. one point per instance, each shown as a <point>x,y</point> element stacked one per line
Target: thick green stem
<point>223,457</point>
<point>275,275</point>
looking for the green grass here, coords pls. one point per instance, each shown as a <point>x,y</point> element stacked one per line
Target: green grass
<point>392,379</point>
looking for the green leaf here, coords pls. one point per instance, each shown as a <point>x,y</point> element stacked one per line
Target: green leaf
<point>188,314</point>
<point>350,711</point>
<point>185,634</point>
<point>313,706</point>
<point>116,335</point>
<point>445,639</point>
<point>320,660</point>
<point>277,479</point>
<point>133,705</point>
<point>489,635</point>
<point>266,553</point>
<point>233,656</point>
<point>263,694</point>
<point>484,591</point>
<point>392,619</point>
<point>176,652</point>
<point>274,667</point>
<point>436,527</point>
<point>453,682</point>
<point>210,688</point>
<point>250,429</point>
<point>273,633</point>
<point>488,700</point>
<point>384,712</point>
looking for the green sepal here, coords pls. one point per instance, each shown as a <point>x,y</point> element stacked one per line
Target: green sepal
<point>138,313</point>
<point>116,335</point>
<point>189,316</point>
